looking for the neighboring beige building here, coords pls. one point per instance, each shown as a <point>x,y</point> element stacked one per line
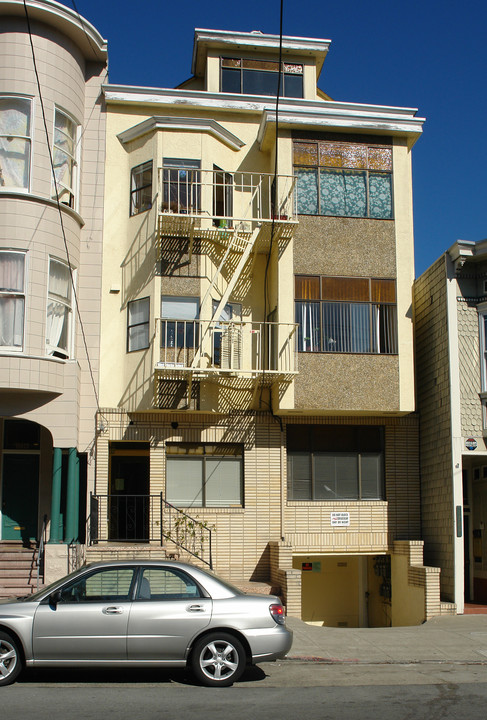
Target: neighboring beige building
<point>256,364</point>
<point>50,273</point>
<point>450,310</point>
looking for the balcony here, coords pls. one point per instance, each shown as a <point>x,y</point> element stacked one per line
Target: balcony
<point>231,209</point>
<point>264,353</point>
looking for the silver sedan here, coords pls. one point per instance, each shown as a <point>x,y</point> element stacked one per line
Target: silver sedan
<point>142,614</point>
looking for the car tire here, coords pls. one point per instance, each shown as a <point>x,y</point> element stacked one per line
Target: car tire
<point>10,659</point>
<point>218,659</point>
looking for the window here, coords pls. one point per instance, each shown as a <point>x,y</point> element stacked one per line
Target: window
<point>138,316</point>
<point>65,158</point>
<point>343,179</point>
<point>346,315</point>
<point>12,299</point>
<point>141,188</point>
<point>180,326</point>
<point>204,475</point>
<point>159,584</point>
<point>181,185</point>
<point>227,336</point>
<point>260,77</point>
<point>15,142</point>
<point>335,462</point>
<point>101,586</point>
<point>59,311</point>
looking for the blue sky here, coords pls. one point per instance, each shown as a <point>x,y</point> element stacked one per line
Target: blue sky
<point>426,54</point>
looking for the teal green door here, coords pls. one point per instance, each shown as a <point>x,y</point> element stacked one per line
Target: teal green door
<point>20,497</point>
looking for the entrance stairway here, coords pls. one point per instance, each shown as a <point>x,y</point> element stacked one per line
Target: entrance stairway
<point>18,569</point>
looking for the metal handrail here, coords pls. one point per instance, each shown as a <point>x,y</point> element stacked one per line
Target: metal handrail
<point>187,532</point>
<point>227,197</point>
<point>228,346</point>
<point>40,555</point>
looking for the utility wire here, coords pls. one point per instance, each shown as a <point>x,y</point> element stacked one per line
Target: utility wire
<point>63,232</point>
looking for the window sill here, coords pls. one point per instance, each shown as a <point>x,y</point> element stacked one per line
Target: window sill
<point>26,195</point>
<point>334,503</point>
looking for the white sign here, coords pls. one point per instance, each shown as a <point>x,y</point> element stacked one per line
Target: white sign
<point>340,519</point>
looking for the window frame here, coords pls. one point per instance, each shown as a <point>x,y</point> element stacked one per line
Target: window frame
<point>68,303</point>
<point>200,452</point>
<point>338,150</point>
<point>138,171</point>
<point>185,331</point>
<point>8,293</point>
<point>381,329</point>
<point>138,324</point>
<point>58,188</point>
<point>28,139</point>
<point>358,453</point>
<point>242,70</point>
<point>181,194</point>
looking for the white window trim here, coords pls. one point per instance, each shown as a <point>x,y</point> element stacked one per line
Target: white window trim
<point>30,98</point>
<point>74,190</point>
<point>50,349</point>
<point>14,348</point>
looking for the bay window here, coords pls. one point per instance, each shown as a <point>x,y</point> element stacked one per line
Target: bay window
<point>59,311</point>
<point>181,185</point>
<point>204,475</point>
<point>141,188</point>
<point>179,322</point>
<point>346,315</point>
<point>65,152</point>
<point>343,179</point>
<point>15,142</point>
<point>12,299</point>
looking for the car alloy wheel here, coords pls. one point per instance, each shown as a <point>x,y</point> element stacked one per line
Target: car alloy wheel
<point>218,659</point>
<point>10,660</point>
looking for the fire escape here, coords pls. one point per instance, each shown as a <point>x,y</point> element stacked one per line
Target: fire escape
<point>228,218</point>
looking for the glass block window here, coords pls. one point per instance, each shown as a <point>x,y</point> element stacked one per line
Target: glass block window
<point>15,142</point>
<point>343,179</point>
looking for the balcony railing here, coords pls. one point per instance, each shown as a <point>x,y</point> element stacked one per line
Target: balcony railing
<point>224,200</point>
<point>216,347</point>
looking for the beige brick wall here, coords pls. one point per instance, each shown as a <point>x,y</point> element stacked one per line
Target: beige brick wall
<point>241,535</point>
<point>432,371</point>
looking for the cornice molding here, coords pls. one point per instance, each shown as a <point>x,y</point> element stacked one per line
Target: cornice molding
<point>208,125</point>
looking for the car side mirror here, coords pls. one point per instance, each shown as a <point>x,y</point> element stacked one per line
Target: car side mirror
<point>55,597</point>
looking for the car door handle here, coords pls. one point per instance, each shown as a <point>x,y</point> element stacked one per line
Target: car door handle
<point>195,608</point>
<point>112,610</point>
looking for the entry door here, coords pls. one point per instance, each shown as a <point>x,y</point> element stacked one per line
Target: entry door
<point>129,497</point>
<point>20,496</point>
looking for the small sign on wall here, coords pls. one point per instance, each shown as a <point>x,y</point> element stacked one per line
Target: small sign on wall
<point>311,567</point>
<point>340,519</point>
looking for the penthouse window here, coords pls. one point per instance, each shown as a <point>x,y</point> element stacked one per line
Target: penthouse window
<point>343,179</point>
<point>15,142</point>
<point>260,77</point>
<point>346,315</point>
<point>335,462</point>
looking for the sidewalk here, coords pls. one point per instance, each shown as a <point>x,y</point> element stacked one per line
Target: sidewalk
<point>453,638</point>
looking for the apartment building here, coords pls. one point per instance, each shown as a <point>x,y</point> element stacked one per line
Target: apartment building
<point>52,131</point>
<point>257,403</point>
<point>450,309</point>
